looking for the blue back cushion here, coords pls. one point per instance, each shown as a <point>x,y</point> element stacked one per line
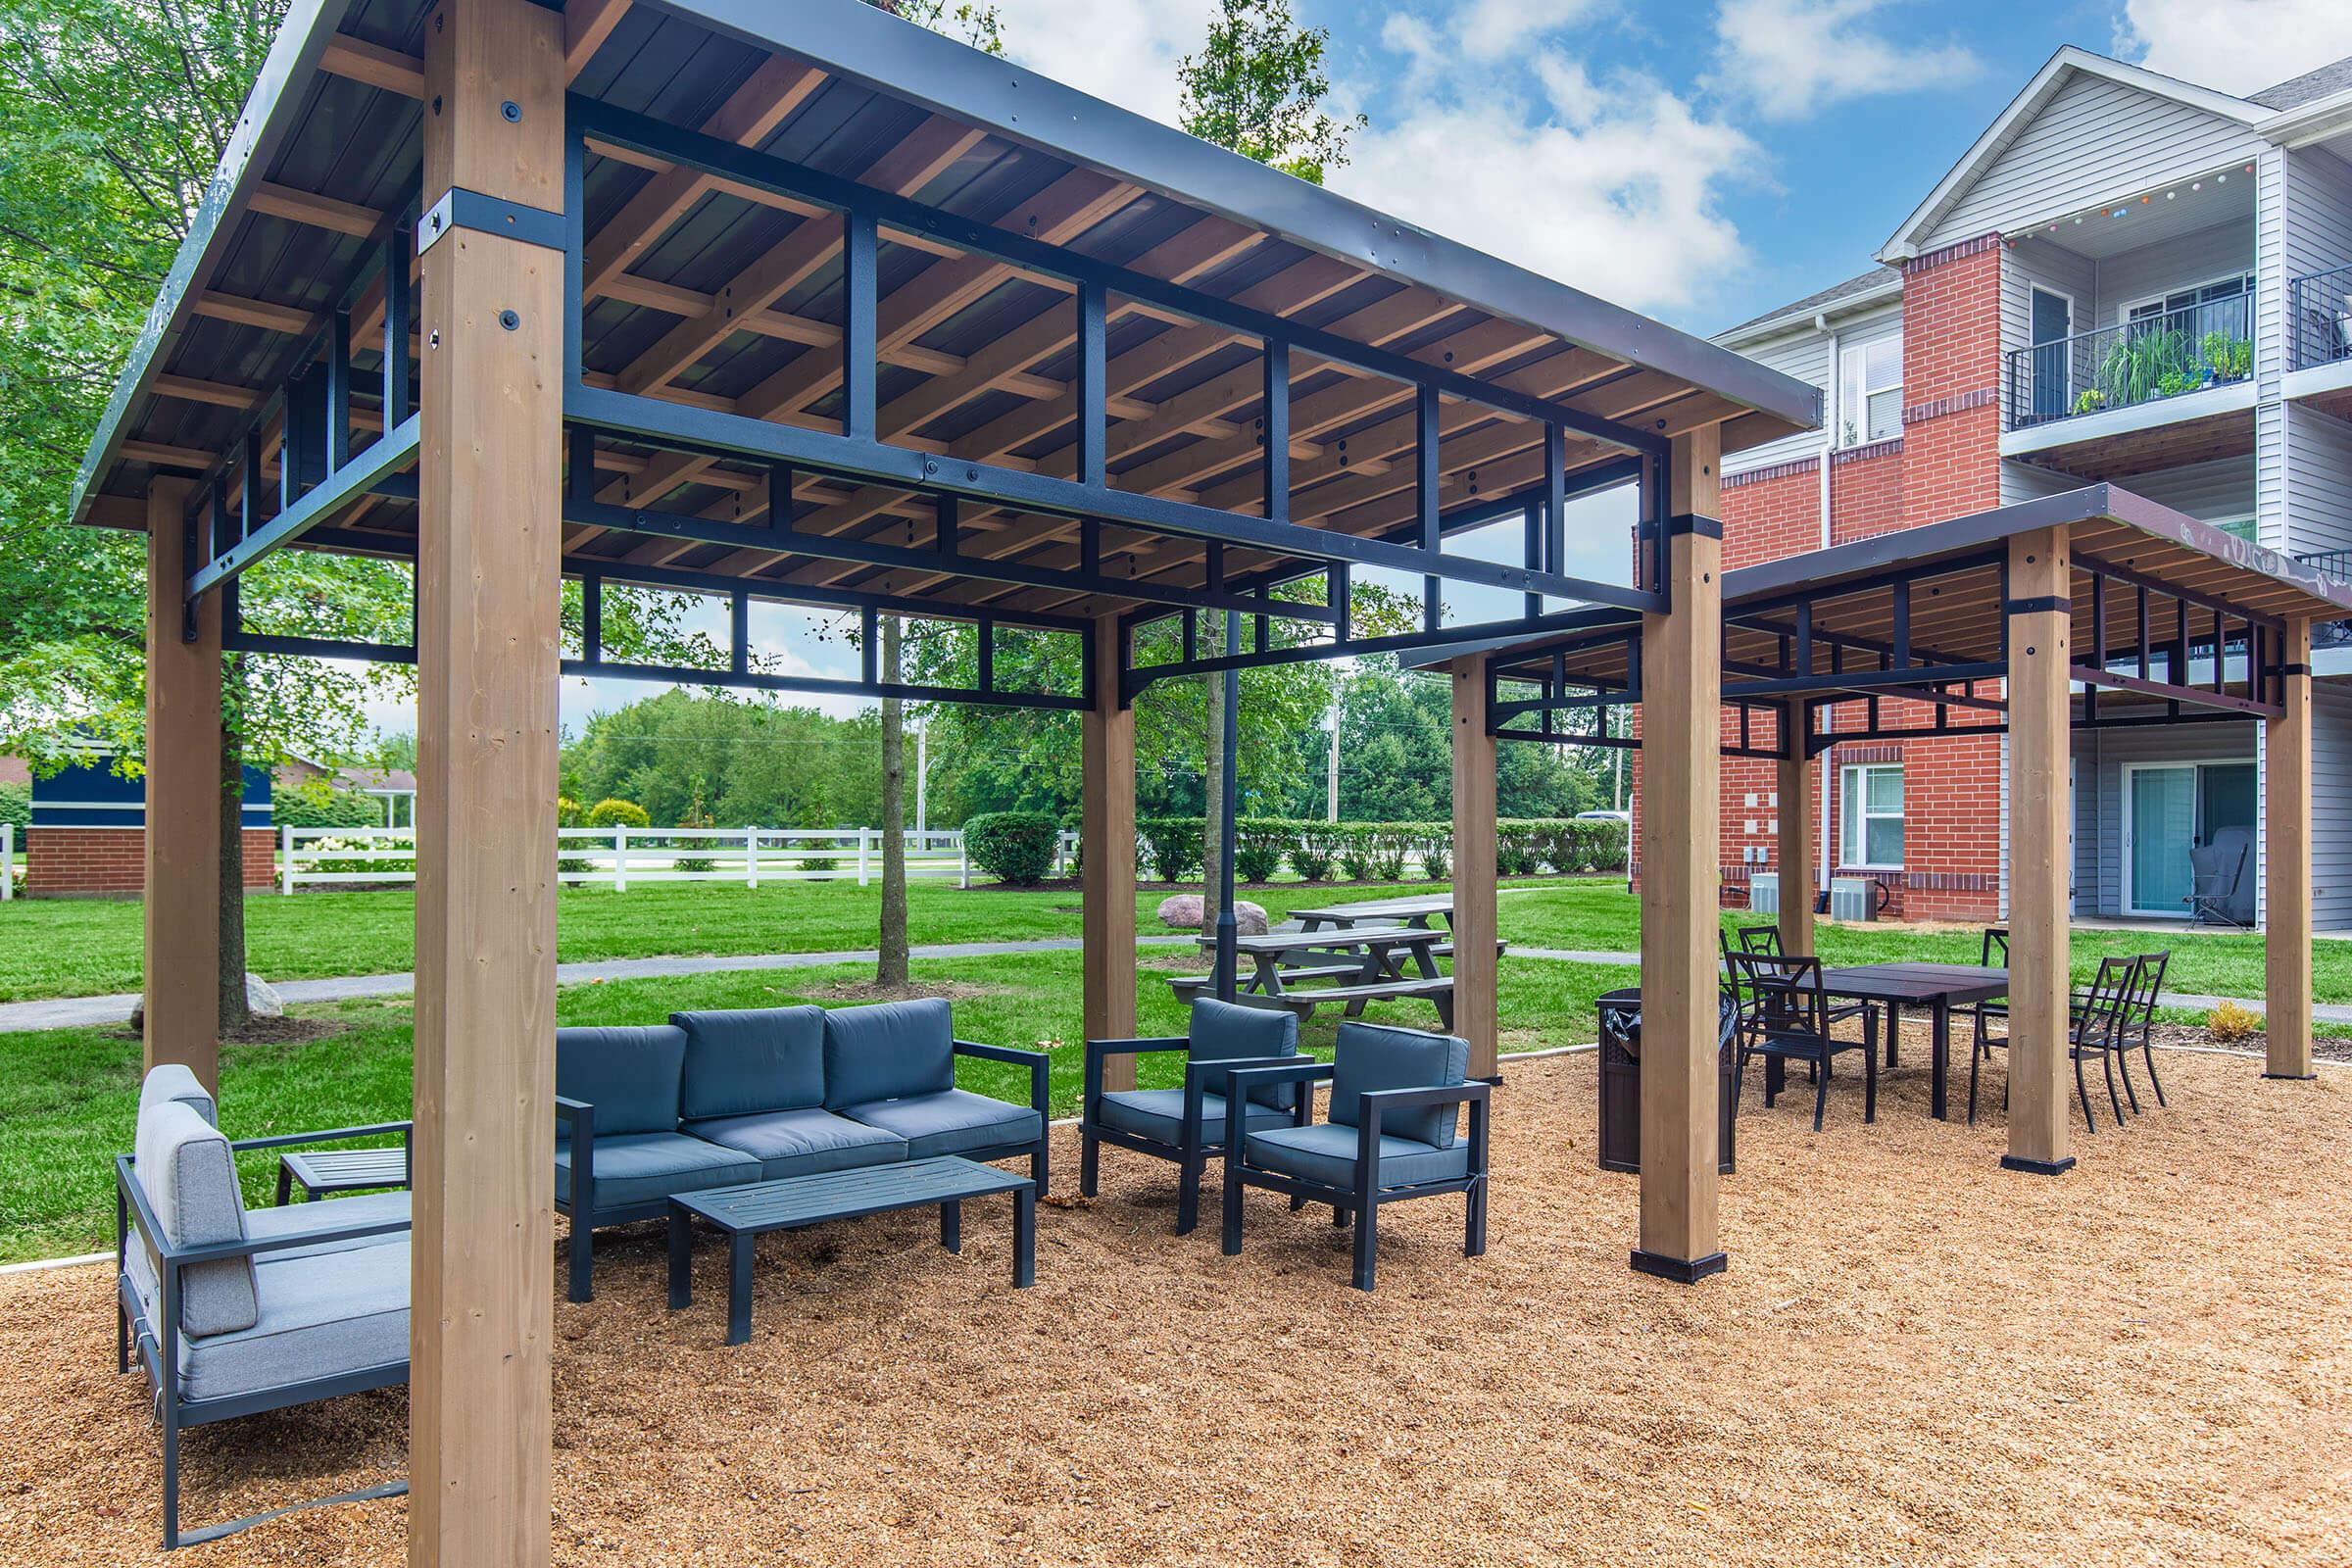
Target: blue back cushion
<point>890,1050</point>
<point>1223,1030</point>
<point>630,1075</point>
<point>749,1061</point>
<point>1372,1055</point>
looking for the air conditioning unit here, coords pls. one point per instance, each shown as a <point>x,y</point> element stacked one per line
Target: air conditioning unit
<point>1853,898</point>
<point>1764,892</point>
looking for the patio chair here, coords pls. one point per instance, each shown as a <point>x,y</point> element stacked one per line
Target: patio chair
<point>1793,1024</point>
<point>1391,1136</point>
<point>232,1312</point>
<point>1993,955</point>
<point>1186,1125</point>
<point>2094,1029</point>
<point>2138,1024</point>
<point>2217,893</point>
<point>1766,940</point>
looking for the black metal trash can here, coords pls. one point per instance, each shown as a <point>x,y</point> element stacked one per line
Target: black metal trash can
<point>1621,1081</point>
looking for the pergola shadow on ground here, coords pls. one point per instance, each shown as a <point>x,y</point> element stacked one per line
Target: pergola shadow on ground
<point>2094,608</point>
<point>814,307</point>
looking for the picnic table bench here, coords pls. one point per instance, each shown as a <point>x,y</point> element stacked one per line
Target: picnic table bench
<point>1369,961</point>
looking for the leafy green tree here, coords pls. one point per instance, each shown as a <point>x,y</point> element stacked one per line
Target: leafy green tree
<point>979,25</point>
<point>1257,86</point>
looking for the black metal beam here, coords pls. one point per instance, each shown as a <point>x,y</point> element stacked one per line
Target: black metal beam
<point>341,489</point>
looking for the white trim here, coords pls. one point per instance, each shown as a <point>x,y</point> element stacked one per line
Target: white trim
<point>1847,818</point>
<point>1903,244</point>
<point>2231,397</point>
<point>2315,379</point>
<point>1790,322</point>
<point>2125,308</point>
<point>2196,766</point>
<point>1862,432</point>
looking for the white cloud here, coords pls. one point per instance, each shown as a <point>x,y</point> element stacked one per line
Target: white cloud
<point>2238,46</point>
<point>1794,58</point>
<point>1611,186</point>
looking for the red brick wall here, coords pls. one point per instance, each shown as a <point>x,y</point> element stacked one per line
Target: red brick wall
<point>1951,381</point>
<point>1865,491</point>
<point>65,863</point>
<point>1771,513</point>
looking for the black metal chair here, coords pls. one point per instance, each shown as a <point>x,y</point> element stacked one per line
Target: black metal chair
<point>1994,954</point>
<point>2138,1025</point>
<point>1793,1024</point>
<point>2094,1028</point>
<point>1765,940</point>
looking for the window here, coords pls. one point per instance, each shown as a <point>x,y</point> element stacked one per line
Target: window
<point>1870,828</point>
<point>1870,392</point>
<point>2220,306</point>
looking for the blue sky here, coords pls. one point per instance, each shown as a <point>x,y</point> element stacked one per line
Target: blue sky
<point>1700,160</point>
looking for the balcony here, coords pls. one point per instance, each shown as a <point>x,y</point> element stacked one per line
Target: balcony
<point>2156,357</point>
<point>2320,318</point>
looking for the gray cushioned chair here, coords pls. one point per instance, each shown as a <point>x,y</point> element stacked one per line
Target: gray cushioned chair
<point>1186,1125</point>
<point>1389,1136</point>
<point>619,1150</point>
<point>232,1312</point>
<point>892,1066</point>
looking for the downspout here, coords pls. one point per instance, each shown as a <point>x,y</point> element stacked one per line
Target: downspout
<point>1825,853</point>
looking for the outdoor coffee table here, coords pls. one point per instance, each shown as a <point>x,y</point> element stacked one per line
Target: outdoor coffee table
<point>321,1171</point>
<point>747,1213</point>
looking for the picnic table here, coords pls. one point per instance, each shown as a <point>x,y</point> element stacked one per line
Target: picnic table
<point>1934,987</point>
<point>1368,962</point>
<point>1415,911</point>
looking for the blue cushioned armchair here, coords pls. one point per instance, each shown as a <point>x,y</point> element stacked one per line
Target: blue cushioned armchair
<point>1395,1096</point>
<point>1186,1125</point>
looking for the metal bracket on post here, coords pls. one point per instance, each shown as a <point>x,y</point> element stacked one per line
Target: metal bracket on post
<point>460,208</point>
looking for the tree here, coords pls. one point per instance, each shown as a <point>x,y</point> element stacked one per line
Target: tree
<point>979,23</point>
<point>1257,86</point>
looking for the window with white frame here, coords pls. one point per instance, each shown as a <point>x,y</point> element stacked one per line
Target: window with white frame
<point>1870,392</point>
<point>1870,831</point>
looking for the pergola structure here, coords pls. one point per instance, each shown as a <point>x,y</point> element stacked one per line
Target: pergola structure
<point>2094,608</point>
<point>804,305</point>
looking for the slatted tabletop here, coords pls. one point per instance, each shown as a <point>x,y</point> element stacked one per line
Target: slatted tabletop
<point>1409,912</point>
<point>340,1170</point>
<point>1281,942</point>
<point>848,1193</point>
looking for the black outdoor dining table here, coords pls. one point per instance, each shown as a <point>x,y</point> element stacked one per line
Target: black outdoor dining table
<point>1936,988</point>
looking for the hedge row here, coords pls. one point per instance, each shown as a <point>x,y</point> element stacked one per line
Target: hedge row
<point>1170,848</point>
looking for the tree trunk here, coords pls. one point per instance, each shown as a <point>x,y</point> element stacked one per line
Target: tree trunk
<point>1212,816</point>
<point>233,1013</point>
<point>890,969</point>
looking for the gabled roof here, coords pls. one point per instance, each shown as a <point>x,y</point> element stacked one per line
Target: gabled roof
<point>2061,67</point>
<point>2309,87</point>
<point>1879,283</point>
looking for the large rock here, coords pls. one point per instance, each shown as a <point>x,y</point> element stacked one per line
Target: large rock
<point>1181,913</point>
<point>261,999</point>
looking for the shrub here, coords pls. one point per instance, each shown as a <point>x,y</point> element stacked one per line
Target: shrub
<point>2229,1022</point>
<point>617,814</point>
<point>1314,850</point>
<point>15,807</point>
<point>1258,847</point>
<point>698,818</point>
<point>1170,847</point>
<point>401,859</point>
<point>1437,860</point>
<point>1015,847</point>
<point>314,803</point>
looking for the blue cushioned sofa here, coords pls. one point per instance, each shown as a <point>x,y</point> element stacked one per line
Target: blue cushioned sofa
<point>231,1311</point>
<point>718,1098</point>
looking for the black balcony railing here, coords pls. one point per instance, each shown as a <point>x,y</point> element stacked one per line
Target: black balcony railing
<point>2158,356</point>
<point>2318,319</point>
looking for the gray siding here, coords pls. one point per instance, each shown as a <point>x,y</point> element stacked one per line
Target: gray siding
<point>2094,142</point>
<point>2023,481</point>
<point>2203,256</point>
<point>1804,355</point>
<point>2332,804</point>
<point>2220,491</point>
<point>2318,479</point>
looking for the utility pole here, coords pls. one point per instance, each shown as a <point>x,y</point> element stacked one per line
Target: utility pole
<point>1330,780</point>
<point>923,778</point>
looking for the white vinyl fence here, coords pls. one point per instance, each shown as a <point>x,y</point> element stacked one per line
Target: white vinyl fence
<point>619,857</point>
<point>8,861</point>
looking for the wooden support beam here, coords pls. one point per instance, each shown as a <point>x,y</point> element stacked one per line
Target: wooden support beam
<point>220,394</point>
<point>163,456</point>
<point>371,63</point>
<point>1794,779</point>
<point>1477,970</point>
<point>2286,868</point>
<point>587,24</point>
<point>2041,983</point>
<point>285,318</point>
<point>488,613</point>
<point>1106,845</point>
<point>181,907</point>
<point>1682,663</point>
<point>316,210</point>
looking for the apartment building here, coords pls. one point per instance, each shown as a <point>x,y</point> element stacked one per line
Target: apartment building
<point>2128,278</point>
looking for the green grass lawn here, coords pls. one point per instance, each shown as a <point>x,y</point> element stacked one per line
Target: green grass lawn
<point>68,1097</point>
<point>84,948</point>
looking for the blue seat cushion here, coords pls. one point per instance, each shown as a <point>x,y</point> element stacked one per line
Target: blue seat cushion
<point>890,1050</point>
<point>646,1167</point>
<point>319,1317</point>
<point>630,1075</point>
<point>746,1060</point>
<point>1372,1056</point>
<point>1327,1154</point>
<point>1225,1031</point>
<point>325,1215</point>
<point>798,1142</point>
<point>1158,1115</point>
<point>953,1121</point>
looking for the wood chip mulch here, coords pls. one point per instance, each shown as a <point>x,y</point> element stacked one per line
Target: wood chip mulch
<point>1915,1358</point>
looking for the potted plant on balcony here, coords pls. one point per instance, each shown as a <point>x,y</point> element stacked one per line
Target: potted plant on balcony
<point>2226,358</point>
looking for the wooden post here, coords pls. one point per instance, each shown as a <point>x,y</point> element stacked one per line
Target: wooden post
<point>1794,780</point>
<point>182,900</point>
<point>1106,851</point>
<point>2286,828</point>
<point>488,607</point>
<point>1682,665</point>
<point>1477,971</point>
<point>2040,623</point>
